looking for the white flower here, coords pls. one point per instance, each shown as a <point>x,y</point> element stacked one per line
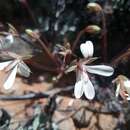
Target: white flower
<point>11,68</point>
<point>124,92</point>
<point>122,87</point>
<point>83,83</point>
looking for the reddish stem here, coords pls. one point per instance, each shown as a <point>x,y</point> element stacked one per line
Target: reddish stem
<point>26,5</point>
<point>45,68</point>
<point>75,43</point>
<point>77,39</point>
<point>104,38</point>
<point>48,52</point>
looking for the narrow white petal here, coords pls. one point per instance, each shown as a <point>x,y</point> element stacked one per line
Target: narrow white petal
<point>89,90</point>
<point>84,50</point>
<point>11,78</point>
<point>78,89</point>
<point>103,70</point>
<point>4,64</point>
<point>23,69</point>
<point>12,65</point>
<point>117,90</point>
<point>90,48</point>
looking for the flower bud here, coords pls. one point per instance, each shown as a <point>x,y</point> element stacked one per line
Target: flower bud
<point>92,29</point>
<point>94,7</point>
<point>31,33</point>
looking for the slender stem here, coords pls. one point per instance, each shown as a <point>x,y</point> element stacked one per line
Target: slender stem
<point>26,5</point>
<point>36,95</point>
<point>25,97</point>
<point>77,39</point>
<point>48,52</point>
<point>45,68</point>
<point>75,43</point>
<point>123,55</point>
<point>104,38</point>
<point>62,69</point>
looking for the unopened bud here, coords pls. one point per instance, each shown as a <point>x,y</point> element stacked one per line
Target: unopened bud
<point>29,32</point>
<point>32,33</point>
<point>94,7</point>
<point>92,29</point>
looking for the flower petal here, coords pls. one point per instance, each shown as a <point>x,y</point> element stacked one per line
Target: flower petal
<point>103,70</point>
<point>23,69</point>
<point>78,89</point>
<point>11,78</point>
<point>12,65</point>
<point>84,50</point>
<point>87,49</point>
<point>117,90</point>
<point>9,39</point>
<point>89,90</point>
<point>4,64</point>
<point>127,86</point>
<point>90,48</point>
